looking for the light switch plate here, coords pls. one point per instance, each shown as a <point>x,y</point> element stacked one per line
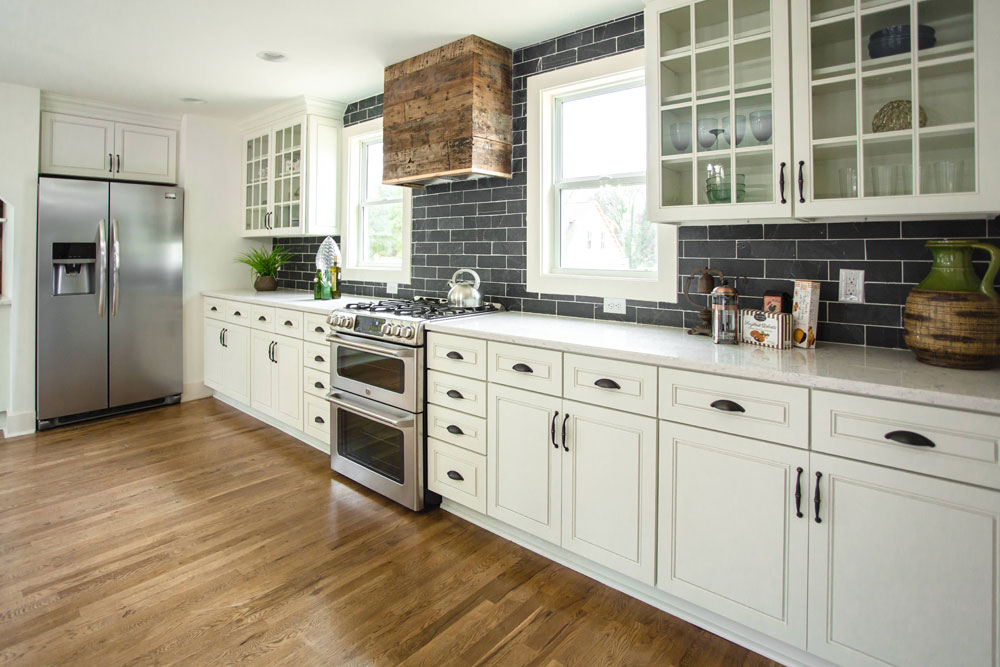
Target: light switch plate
<point>852,286</point>
<point>392,288</point>
<point>616,306</point>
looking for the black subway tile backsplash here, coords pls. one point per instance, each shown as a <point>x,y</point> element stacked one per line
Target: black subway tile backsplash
<point>481,223</point>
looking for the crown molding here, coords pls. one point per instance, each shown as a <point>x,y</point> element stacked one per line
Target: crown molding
<point>303,104</point>
<point>78,106</point>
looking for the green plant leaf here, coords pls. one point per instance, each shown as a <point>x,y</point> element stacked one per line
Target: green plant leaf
<point>265,263</point>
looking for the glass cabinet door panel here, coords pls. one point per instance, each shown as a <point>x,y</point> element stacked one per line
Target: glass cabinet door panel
<point>675,31</point>
<point>751,17</point>
<point>712,72</point>
<point>947,162</point>
<point>675,80</point>
<point>953,24</point>
<point>708,130</point>
<point>756,110</point>
<point>711,22</point>
<point>752,65</point>
<point>832,48</point>
<point>835,171</point>
<point>888,166</point>
<point>886,102</point>
<point>834,110</point>
<point>824,9</point>
<point>715,181</point>
<point>754,172</point>
<point>885,38</point>
<point>255,194</point>
<point>678,182</point>
<point>948,92</point>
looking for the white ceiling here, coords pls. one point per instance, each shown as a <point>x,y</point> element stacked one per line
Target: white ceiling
<point>148,54</point>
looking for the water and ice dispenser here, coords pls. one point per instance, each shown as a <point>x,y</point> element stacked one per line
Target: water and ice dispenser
<point>73,267</point>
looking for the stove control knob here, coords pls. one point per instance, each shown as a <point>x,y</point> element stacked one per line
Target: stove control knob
<point>385,329</point>
<point>337,320</point>
<point>407,332</point>
<point>397,330</point>
<point>348,322</point>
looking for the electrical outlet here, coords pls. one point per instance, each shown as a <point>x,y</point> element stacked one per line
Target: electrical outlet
<point>852,286</point>
<point>392,288</point>
<point>616,306</point>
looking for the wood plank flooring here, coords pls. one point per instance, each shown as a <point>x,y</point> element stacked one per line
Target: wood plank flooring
<point>196,535</point>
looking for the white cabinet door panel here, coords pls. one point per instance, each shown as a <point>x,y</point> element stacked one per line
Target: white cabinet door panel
<point>76,146</point>
<point>262,393</point>
<point>213,354</point>
<point>236,363</point>
<point>145,153</point>
<point>288,380</point>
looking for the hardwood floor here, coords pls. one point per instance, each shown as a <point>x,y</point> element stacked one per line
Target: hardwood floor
<point>196,535</point>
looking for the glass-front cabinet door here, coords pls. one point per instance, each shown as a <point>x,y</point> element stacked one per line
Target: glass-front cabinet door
<point>287,181</point>
<point>718,93</point>
<point>887,98</point>
<point>256,165</point>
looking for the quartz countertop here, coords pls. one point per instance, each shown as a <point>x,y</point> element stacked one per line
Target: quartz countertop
<point>877,372</point>
<point>286,298</point>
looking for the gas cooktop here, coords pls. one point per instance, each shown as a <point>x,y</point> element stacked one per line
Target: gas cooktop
<point>399,320</point>
<point>421,308</point>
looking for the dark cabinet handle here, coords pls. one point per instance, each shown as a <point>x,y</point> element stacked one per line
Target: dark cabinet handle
<point>318,420</point>
<point>214,309</point>
<point>781,183</point>
<point>552,429</point>
<point>111,163</point>
<point>224,342</point>
<point>455,475</point>
<point>220,337</point>
<point>288,323</point>
<point>565,419</point>
<point>455,394</point>
<point>798,492</point>
<point>262,319</point>
<point>727,406</point>
<point>819,476</point>
<point>802,198</point>
<point>237,313</point>
<point>607,383</point>
<point>319,330</point>
<point>319,359</point>
<point>318,385</point>
<point>454,355</point>
<point>118,168</point>
<point>909,438</point>
<point>522,368</point>
<point>454,430</point>
<point>270,351</point>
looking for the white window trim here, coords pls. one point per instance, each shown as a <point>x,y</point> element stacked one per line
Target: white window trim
<point>354,138</point>
<point>542,92</point>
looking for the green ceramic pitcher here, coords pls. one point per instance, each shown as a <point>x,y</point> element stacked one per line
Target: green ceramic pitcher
<point>952,318</point>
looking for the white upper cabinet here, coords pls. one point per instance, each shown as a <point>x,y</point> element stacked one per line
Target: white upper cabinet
<point>77,146</point>
<point>708,62</point>
<point>145,153</point>
<point>858,80</point>
<point>290,171</point>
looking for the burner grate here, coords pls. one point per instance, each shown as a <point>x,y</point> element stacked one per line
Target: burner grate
<point>425,308</point>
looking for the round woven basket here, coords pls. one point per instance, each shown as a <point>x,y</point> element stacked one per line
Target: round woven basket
<point>896,115</point>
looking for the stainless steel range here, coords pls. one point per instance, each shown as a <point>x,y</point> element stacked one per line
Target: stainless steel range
<point>377,396</point>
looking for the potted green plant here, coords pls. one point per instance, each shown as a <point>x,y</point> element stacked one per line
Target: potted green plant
<point>264,266</point>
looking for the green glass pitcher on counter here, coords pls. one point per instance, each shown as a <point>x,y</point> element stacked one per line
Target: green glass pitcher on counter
<point>952,318</point>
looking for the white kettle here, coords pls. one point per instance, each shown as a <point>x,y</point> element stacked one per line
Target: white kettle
<point>464,294</point>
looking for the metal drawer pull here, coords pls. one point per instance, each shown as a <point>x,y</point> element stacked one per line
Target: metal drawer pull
<point>552,431</point>
<point>214,309</point>
<point>798,492</point>
<point>454,430</point>
<point>455,475</point>
<point>454,355</point>
<point>727,406</point>
<point>522,368</point>
<point>455,394</point>
<point>319,420</point>
<point>343,402</point>
<point>288,323</point>
<point>262,319</point>
<point>319,358</point>
<point>319,330</point>
<point>819,476</point>
<point>319,385</point>
<point>909,438</point>
<point>565,419</point>
<point>607,383</point>
<point>237,313</point>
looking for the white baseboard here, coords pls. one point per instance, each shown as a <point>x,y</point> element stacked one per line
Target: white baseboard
<point>19,423</point>
<point>315,443</point>
<point>192,391</point>
<point>717,625</point>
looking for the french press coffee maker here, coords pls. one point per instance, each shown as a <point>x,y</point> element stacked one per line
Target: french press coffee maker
<point>725,314</point>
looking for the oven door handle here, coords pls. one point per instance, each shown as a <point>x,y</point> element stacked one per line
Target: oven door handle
<point>373,348</point>
<point>338,400</point>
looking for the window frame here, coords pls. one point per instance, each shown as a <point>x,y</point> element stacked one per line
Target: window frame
<point>546,92</point>
<point>356,139</point>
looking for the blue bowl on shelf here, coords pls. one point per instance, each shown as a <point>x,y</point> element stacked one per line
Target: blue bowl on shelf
<point>895,39</point>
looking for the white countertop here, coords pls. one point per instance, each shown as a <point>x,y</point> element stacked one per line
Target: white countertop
<point>878,372</point>
<point>286,298</point>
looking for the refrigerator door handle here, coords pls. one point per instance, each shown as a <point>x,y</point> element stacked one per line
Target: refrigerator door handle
<point>115,265</point>
<point>102,265</point>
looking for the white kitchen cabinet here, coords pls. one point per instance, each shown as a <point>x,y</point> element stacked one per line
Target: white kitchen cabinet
<point>903,569</point>
<point>290,172</point>
<point>103,148</point>
<point>227,359</point>
<point>708,61</point>
<point>523,464</point>
<point>732,534</point>
<point>213,354</point>
<point>276,377</point>
<point>609,488</point>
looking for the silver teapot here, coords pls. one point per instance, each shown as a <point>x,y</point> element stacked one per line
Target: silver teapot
<point>464,294</point>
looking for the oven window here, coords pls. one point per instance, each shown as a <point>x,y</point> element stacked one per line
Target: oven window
<point>373,445</point>
<point>373,370</point>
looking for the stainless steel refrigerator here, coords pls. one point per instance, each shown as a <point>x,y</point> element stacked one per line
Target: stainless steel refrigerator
<point>109,298</point>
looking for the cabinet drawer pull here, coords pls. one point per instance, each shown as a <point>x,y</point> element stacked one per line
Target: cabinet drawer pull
<point>565,419</point>
<point>802,198</point>
<point>726,405</point>
<point>909,438</point>
<point>270,352</point>
<point>798,492</point>
<point>522,368</point>
<point>454,430</point>
<point>262,319</point>
<point>318,385</point>
<point>455,355</point>
<point>319,420</point>
<point>819,476</point>
<point>552,430</point>
<point>288,323</point>
<point>110,163</point>
<point>319,330</point>
<point>237,313</point>
<point>214,309</point>
<point>781,183</point>
<point>452,393</point>
<point>607,383</point>
<point>319,359</point>
<point>455,475</point>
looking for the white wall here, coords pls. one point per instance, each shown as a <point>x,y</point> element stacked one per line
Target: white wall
<point>19,123</point>
<point>210,172</point>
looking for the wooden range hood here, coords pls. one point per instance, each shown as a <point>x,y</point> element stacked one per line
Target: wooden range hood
<point>447,114</point>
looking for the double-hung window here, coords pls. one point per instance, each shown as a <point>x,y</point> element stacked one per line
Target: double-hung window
<point>377,217</point>
<point>588,232</point>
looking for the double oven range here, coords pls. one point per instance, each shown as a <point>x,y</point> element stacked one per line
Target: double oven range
<point>377,381</point>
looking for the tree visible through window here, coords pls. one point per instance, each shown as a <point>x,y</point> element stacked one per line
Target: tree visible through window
<point>381,239</point>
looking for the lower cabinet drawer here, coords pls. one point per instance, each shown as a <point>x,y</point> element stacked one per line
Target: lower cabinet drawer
<point>619,385</point>
<point>317,418</point>
<point>317,356</point>
<point>238,312</point>
<point>457,354</point>
<point>315,328</point>
<point>760,410</point>
<point>530,368</point>
<point>457,428</point>
<point>456,392</point>
<point>288,322</point>
<point>262,318</point>
<point>316,382</point>
<point>215,308</point>
<point>943,442</point>
<point>457,474</point>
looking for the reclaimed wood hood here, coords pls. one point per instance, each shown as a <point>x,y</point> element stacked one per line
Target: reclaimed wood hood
<point>447,114</point>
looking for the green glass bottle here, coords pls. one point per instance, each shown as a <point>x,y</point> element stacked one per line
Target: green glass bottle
<point>318,285</point>
<point>335,281</point>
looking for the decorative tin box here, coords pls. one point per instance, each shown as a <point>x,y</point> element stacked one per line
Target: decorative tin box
<point>760,327</point>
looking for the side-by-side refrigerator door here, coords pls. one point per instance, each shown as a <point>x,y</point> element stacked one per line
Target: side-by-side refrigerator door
<point>144,302</point>
<point>72,304</point>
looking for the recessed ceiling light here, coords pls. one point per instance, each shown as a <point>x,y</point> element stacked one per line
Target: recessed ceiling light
<point>193,100</point>
<point>272,56</point>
